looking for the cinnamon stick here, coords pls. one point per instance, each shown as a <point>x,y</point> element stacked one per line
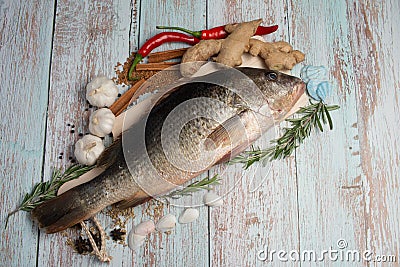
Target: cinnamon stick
<point>166,55</point>
<point>123,102</point>
<point>155,66</point>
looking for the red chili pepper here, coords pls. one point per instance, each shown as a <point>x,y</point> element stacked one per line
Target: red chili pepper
<point>218,32</point>
<point>156,41</point>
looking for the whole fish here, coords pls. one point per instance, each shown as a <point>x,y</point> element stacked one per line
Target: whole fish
<point>191,127</point>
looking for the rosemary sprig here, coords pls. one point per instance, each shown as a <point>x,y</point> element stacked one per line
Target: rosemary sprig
<point>310,117</point>
<point>204,184</point>
<point>47,190</point>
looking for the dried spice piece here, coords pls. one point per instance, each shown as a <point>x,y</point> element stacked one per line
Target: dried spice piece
<point>122,71</point>
<point>82,246</point>
<point>118,234</point>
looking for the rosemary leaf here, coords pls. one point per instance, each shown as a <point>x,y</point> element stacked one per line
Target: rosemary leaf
<point>313,116</point>
<point>47,190</point>
<point>204,184</point>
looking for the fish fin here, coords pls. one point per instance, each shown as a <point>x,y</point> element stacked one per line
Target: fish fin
<point>139,198</point>
<point>61,212</point>
<point>225,134</point>
<point>110,155</point>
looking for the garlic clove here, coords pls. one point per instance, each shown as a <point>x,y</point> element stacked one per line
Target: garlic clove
<point>144,228</point>
<point>211,199</point>
<point>166,223</point>
<point>101,122</point>
<point>101,92</point>
<point>88,149</point>
<point>189,215</point>
<point>135,241</point>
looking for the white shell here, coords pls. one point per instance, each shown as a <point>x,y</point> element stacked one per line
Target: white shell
<point>144,228</point>
<point>135,241</point>
<point>101,122</point>
<point>88,149</point>
<point>189,215</point>
<point>212,200</point>
<point>101,92</point>
<point>166,223</point>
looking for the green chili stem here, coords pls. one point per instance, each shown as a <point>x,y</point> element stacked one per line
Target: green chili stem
<point>196,34</point>
<point>138,58</point>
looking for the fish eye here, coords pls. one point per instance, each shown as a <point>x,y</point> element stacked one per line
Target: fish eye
<point>272,76</point>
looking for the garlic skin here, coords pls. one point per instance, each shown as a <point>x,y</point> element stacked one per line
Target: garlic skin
<point>211,199</point>
<point>135,241</point>
<point>189,215</point>
<point>166,223</point>
<point>101,122</point>
<point>144,228</point>
<point>101,92</point>
<point>88,149</point>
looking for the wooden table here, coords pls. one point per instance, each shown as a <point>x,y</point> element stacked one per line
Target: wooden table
<point>341,184</point>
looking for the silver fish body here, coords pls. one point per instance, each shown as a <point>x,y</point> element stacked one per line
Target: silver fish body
<point>191,128</point>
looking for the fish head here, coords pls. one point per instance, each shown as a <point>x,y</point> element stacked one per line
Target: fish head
<point>280,91</point>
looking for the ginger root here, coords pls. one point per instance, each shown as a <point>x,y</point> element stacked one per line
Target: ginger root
<point>237,43</point>
<point>198,54</point>
<point>278,55</point>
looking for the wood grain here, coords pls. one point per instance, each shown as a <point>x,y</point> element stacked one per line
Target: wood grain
<point>330,185</point>
<point>25,45</point>
<point>376,62</point>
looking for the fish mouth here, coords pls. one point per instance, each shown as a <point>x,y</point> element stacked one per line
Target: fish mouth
<point>298,91</point>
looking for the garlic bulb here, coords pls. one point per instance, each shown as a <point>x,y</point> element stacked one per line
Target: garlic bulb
<point>101,92</point>
<point>189,215</point>
<point>166,223</point>
<point>212,200</point>
<point>144,228</point>
<point>101,122</point>
<point>88,149</point>
<point>135,241</point>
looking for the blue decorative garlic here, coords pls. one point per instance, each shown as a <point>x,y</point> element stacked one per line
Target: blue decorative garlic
<point>318,86</point>
<point>101,92</point>
<point>319,90</point>
<point>324,90</point>
<point>309,72</point>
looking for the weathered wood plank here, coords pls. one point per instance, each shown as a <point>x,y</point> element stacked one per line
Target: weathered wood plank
<point>265,219</point>
<point>188,244</point>
<point>374,38</point>
<point>25,44</point>
<point>330,193</point>
<point>90,37</point>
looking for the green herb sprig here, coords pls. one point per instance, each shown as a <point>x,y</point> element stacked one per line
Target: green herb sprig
<point>310,117</point>
<point>47,190</point>
<point>204,184</point>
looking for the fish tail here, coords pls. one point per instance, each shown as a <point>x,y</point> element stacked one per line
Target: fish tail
<point>62,212</point>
